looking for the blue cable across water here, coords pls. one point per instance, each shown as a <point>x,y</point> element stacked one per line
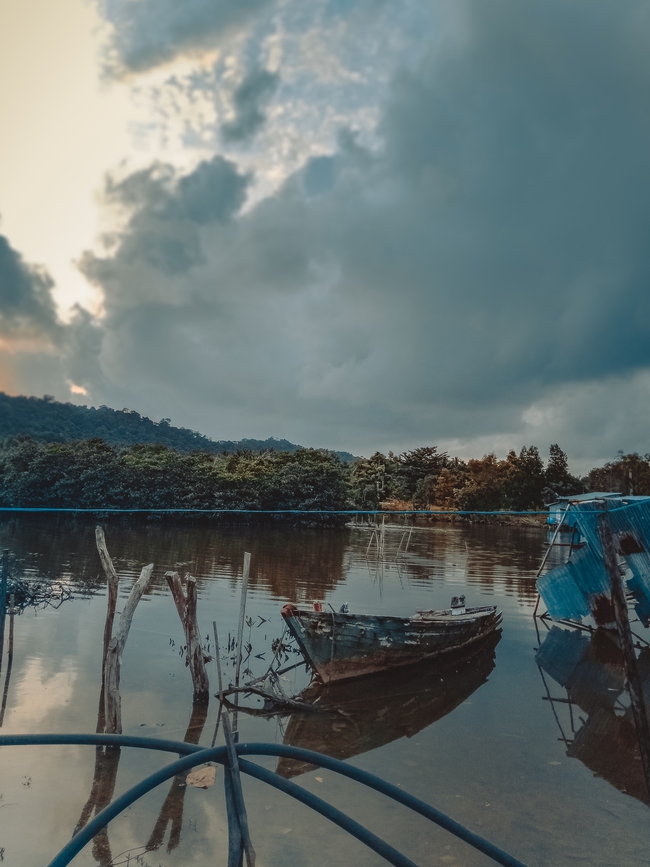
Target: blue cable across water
<point>393,512</point>
<point>195,755</point>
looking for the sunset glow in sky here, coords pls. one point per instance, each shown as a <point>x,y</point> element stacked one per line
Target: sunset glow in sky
<point>356,224</point>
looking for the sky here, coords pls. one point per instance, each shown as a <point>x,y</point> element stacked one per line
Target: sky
<point>354,224</point>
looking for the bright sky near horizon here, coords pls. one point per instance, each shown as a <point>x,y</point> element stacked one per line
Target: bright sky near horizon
<point>351,223</point>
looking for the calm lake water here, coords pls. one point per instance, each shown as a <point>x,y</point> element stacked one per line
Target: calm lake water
<point>552,782</point>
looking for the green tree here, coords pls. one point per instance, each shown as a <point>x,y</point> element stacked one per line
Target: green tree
<point>630,474</point>
<point>484,488</point>
<point>415,473</point>
<point>525,480</point>
<point>558,478</point>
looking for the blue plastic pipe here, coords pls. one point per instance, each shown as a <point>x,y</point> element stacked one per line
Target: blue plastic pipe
<point>200,755</point>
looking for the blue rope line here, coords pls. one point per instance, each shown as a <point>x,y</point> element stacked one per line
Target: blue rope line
<point>268,511</point>
<point>196,755</point>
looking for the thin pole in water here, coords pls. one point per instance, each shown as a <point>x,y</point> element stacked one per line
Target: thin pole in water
<point>3,600</point>
<point>548,551</point>
<point>10,658</point>
<point>242,612</point>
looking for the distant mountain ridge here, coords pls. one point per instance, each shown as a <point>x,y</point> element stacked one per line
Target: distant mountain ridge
<point>47,420</point>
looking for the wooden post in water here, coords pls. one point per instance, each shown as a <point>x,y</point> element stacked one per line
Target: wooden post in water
<point>239,840</point>
<point>242,612</point>
<point>4,577</point>
<point>113,701</point>
<point>186,607</point>
<point>112,582</point>
<point>10,657</point>
<point>637,704</point>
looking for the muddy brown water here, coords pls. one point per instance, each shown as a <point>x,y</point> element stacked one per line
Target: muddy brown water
<point>552,782</point>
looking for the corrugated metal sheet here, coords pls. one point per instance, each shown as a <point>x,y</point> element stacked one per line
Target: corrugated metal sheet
<point>561,594</point>
<point>583,582</point>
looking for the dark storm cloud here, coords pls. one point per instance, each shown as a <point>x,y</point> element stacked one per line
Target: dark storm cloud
<point>148,33</point>
<point>167,213</point>
<point>489,255</point>
<point>26,305</point>
<point>249,101</point>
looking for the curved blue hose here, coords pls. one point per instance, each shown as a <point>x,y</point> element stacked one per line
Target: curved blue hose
<point>195,755</point>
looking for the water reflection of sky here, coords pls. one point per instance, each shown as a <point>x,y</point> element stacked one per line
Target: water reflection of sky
<point>494,762</point>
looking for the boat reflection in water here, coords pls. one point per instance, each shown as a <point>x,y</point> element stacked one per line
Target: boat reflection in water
<point>358,715</point>
<point>591,671</point>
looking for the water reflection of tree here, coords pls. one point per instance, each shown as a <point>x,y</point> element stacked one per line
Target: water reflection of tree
<point>314,556</point>
<point>107,760</point>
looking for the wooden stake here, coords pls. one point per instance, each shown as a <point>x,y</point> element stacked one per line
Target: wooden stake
<point>10,658</point>
<point>112,581</point>
<point>242,612</point>
<point>112,699</point>
<point>635,689</point>
<point>238,832</point>
<point>186,607</point>
<point>3,600</point>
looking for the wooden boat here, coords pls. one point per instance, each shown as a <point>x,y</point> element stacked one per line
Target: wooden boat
<point>354,716</point>
<point>339,645</point>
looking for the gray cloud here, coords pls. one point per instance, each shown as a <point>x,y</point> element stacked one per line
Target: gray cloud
<point>149,33</point>
<point>249,100</point>
<point>457,283</point>
<point>167,212</point>
<point>26,305</point>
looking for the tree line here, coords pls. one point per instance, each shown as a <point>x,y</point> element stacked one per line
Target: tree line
<point>96,474</point>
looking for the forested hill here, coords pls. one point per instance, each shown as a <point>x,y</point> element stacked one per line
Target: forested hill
<point>46,420</point>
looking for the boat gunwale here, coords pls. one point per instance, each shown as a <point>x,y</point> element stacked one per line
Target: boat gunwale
<point>441,616</point>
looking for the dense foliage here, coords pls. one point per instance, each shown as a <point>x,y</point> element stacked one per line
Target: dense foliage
<point>629,474</point>
<point>94,474</point>
<point>138,463</point>
<point>46,420</point>
<point>430,479</point>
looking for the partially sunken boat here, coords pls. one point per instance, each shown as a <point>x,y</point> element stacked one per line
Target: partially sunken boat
<point>339,645</point>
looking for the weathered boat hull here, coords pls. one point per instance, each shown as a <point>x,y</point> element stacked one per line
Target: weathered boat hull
<point>340,646</point>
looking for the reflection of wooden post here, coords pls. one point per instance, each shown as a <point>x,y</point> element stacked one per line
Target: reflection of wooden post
<point>172,809</point>
<point>186,607</point>
<point>107,760</point>
<point>113,701</point>
<point>637,703</point>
